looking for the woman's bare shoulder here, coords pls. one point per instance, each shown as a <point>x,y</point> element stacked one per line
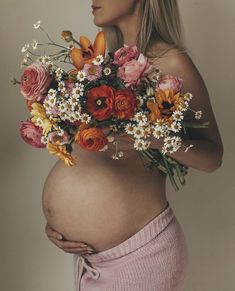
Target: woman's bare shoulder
<point>165,57</point>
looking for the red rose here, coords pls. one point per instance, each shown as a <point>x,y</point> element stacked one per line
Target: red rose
<point>100,101</point>
<point>125,104</point>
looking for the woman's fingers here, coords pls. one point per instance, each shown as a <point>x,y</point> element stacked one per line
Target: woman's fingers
<point>52,233</point>
<point>72,247</point>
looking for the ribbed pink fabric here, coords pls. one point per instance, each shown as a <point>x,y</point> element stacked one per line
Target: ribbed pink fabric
<point>153,259</point>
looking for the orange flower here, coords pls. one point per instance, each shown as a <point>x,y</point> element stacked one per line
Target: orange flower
<point>88,52</point>
<point>60,151</point>
<point>167,101</point>
<point>91,139</point>
<point>100,101</point>
<point>125,104</point>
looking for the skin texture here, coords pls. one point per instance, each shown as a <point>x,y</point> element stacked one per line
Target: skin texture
<point>207,153</point>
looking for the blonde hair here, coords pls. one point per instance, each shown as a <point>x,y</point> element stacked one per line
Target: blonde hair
<point>160,21</point>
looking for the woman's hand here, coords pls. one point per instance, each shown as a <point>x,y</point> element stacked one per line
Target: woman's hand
<point>65,245</point>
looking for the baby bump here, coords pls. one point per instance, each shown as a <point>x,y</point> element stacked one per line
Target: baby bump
<point>101,206</point>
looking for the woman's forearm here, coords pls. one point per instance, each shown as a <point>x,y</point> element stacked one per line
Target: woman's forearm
<point>205,155</point>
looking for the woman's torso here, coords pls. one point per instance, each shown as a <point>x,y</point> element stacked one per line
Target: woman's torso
<point>102,201</point>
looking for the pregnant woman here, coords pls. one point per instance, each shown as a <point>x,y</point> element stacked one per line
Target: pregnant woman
<point>119,208</point>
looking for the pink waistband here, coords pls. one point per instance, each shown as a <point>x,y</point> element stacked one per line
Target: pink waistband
<point>140,238</point>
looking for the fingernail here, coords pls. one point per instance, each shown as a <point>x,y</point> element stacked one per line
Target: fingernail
<point>90,249</point>
<point>60,236</point>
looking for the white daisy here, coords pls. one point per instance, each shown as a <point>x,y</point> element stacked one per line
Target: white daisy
<point>129,128</point>
<point>157,131</point>
<point>85,118</point>
<point>61,86</point>
<point>177,115</point>
<point>44,60</point>
<point>44,139</point>
<point>63,107</point>
<point>140,118</point>
<point>34,44</point>
<point>52,93</point>
<point>138,132</point>
<point>25,48</point>
<point>175,126</point>
<point>78,91</point>
<point>184,106</point>
<point>107,71</point>
<point>98,60</point>
<point>141,144</point>
<point>188,96</point>
<point>198,114</point>
<point>37,24</point>
<point>81,75</point>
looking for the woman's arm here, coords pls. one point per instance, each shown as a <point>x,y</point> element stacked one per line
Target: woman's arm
<point>207,151</point>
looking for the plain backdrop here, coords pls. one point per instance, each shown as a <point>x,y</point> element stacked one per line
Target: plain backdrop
<point>29,261</point>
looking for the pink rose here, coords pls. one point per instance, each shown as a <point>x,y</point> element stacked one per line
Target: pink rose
<point>132,71</point>
<point>54,137</point>
<point>31,134</point>
<point>125,54</point>
<point>35,81</point>
<point>169,82</point>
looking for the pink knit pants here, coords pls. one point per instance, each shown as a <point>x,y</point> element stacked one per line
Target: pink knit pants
<point>153,259</point>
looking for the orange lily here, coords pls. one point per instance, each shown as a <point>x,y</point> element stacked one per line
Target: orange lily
<point>88,52</point>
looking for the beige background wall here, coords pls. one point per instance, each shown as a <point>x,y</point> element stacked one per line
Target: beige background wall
<point>29,261</point>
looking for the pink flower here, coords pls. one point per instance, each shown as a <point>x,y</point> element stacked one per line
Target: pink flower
<point>132,71</point>
<point>92,71</point>
<point>54,137</point>
<point>35,81</point>
<point>125,54</point>
<point>31,134</point>
<point>169,82</point>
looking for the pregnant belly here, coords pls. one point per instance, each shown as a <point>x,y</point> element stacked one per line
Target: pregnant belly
<point>100,202</point>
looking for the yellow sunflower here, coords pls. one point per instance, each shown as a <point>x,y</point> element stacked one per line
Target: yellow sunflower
<point>167,101</point>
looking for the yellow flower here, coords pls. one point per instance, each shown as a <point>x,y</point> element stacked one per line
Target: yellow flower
<point>61,152</point>
<point>38,111</point>
<point>167,101</point>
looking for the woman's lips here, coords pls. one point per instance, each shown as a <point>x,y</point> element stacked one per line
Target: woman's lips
<point>95,8</point>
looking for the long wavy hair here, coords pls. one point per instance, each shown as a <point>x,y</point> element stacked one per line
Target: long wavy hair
<point>160,21</point>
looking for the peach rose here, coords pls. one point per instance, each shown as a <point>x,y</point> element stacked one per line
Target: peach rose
<point>125,104</point>
<point>131,71</point>
<point>169,82</point>
<point>31,134</point>
<point>35,81</point>
<point>91,139</point>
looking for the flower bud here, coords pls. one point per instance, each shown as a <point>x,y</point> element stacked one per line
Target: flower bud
<point>67,35</point>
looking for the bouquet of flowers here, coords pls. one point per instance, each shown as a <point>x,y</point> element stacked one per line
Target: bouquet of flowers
<point>120,91</point>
